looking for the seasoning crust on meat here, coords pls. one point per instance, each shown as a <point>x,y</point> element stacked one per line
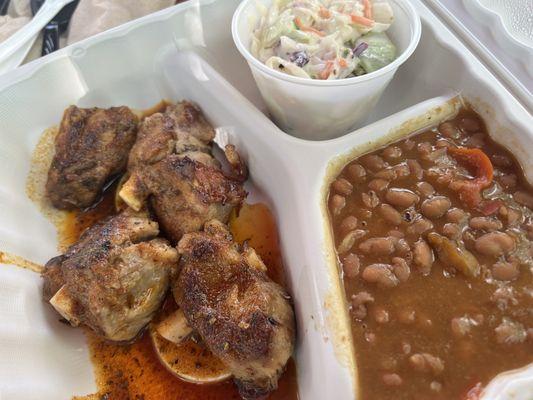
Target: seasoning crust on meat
<point>92,146</point>
<point>173,170</point>
<point>244,318</point>
<point>114,278</point>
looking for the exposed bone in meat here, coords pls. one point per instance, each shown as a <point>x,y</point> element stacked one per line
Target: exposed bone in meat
<point>114,278</point>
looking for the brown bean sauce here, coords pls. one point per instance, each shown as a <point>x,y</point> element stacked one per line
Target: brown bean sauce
<point>438,278</point>
<point>134,371</point>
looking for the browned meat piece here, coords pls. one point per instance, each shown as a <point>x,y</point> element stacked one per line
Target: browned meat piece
<point>158,134</point>
<point>244,318</point>
<point>184,194</point>
<point>92,146</point>
<point>172,167</point>
<point>114,278</point>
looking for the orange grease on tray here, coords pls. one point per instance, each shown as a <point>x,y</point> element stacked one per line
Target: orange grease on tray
<point>158,108</point>
<point>134,372</point>
<point>76,222</point>
<point>256,225</point>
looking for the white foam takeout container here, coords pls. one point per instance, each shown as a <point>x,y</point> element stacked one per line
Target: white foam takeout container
<point>187,52</point>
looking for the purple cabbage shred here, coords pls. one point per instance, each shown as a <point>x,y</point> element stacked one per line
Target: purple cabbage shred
<point>361,47</point>
<point>300,58</point>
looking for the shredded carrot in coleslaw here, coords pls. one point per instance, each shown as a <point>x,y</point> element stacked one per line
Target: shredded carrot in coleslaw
<point>304,28</point>
<point>324,12</point>
<point>368,9</point>
<point>357,19</point>
<point>327,71</point>
<point>299,37</point>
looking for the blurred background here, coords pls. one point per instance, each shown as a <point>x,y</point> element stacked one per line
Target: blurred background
<point>76,21</point>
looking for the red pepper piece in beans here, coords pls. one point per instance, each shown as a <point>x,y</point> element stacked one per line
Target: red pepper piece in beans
<point>481,167</point>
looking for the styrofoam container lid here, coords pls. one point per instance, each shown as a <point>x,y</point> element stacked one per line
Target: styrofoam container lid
<point>496,31</point>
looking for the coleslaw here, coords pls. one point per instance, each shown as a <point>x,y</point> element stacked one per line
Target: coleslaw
<point>325,39</point>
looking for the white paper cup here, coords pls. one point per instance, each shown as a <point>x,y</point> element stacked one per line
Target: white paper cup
<point>323,109</point>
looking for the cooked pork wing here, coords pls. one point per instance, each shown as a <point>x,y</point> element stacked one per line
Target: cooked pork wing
<point>171,167</point>
<point>244,318</point>
<point>184,193</point>
<point>160,133</point>
<point>91,147</point>
<point>114,278</point>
